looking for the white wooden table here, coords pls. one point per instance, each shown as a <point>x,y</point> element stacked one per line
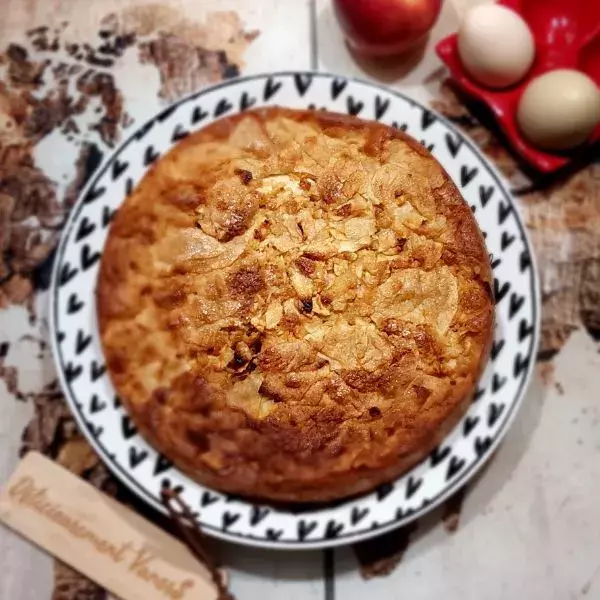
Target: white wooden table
<point>530,526</point>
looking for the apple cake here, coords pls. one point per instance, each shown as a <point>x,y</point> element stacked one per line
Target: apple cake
<point>295,305</point>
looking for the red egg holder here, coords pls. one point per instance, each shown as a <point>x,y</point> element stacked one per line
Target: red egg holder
<point>567,36</point>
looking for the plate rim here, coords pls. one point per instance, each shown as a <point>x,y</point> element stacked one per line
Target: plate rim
<point>345,539</point>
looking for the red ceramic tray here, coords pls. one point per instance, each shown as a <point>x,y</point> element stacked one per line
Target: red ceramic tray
<point>567,35</point>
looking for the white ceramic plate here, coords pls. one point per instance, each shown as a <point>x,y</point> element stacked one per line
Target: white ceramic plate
<point>105,424</point>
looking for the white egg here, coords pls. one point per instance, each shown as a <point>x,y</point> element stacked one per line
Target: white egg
<point>559,110</point>
<point>495,45</point>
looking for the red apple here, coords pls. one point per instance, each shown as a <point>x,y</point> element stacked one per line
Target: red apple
<point>385,27</point>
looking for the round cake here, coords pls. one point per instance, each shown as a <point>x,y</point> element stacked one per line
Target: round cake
<point>295,305</point>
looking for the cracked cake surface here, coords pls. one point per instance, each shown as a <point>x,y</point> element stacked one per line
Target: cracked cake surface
<point>295,305</point>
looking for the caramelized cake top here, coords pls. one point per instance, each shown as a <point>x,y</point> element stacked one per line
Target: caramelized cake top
<point>295,305</point>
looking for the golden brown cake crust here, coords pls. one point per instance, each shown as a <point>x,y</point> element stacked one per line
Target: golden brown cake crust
<point>295,305</point>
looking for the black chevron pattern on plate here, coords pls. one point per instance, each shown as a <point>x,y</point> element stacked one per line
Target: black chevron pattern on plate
<point>95,430</point>
<point>467,174</point>
<point>333,529</point>
<point>97,370</point>
<point>524,261</point>
<point>482,445</point>
<point>258,514</point>
<point>274,534</point>
<point>67,273</point>
<point>515,304</point>
<point>86,227</point>
<point>118,168</point>
<point>161,465</point>
<point>128,187</point>
<point>498,383</point>
<point>453,143</point>
<point>208,499</point>
<point>510,356</point>
<point>500,290</point>
<point>74,304</point>
<point>381,107</point>
<point>455,465</point>
<point>525,330</point>
<point>427,119</point>
<point>222,107</point>
<point>504,209</point>
<point>302,82</point>
<point>400,126</point>
<point>494,413</point>
<point>358,514</point>
<point>485,193</point>
<point>384,490</point>
<point>337,87</point>
<point>179,133</point>
<point>496,349</point>
<point>93,195</point>
<point>136,457</point>
<point>128,428</point>
<point>412,486</point>
<point>271,88</point>
<point>246,101</point>
<point>521,364</point>
<point>88,257</point>
<point>354,106</point>
<point>478,394</point>
<point>305,528</point>
<point>72,372</point>
<point>96,405</point>
<point>506,240</point>
<point>438,455</point>
<point>108,214</point>
<point>150,155</point>
<point>82,342</point>
<point>429,147</point>
<point>469,423</point>
<point>198,115</point>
